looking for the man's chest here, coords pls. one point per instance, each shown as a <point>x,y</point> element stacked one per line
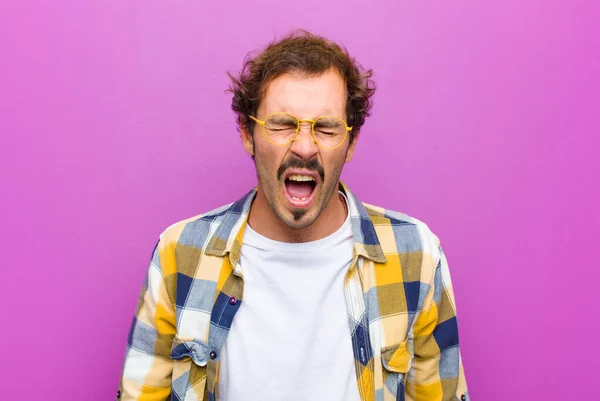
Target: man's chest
<point>294,295</point>
<point>292,330</point>
<point>374,305</point>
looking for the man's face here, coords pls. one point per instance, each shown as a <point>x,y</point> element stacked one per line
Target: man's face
<point>299,179</point>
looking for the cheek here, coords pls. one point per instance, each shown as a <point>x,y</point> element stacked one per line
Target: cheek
<point>267,158</point>
<point>335,163</point>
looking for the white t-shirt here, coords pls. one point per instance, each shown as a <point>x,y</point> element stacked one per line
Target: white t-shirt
<point>290,339</point>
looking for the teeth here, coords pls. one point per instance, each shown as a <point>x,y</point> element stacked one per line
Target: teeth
<point>299,199</point>
<point>299,177</point>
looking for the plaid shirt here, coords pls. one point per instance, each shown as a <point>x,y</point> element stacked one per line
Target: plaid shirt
<point>399,297</point>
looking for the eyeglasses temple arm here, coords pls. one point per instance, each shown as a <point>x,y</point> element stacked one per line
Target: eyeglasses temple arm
<point>261,122</point>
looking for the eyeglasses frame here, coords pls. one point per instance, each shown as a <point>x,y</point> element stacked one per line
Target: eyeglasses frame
<point>312,124</point>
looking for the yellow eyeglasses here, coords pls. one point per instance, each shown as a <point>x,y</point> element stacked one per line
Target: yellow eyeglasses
<point>282,128</point>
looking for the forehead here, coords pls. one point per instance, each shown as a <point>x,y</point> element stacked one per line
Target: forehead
<point>306,96</point>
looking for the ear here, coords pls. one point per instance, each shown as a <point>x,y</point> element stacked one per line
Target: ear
<point>351,148</point>
<point>247,140</point>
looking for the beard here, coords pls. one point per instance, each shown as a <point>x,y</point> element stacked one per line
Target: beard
<point>272,186</point>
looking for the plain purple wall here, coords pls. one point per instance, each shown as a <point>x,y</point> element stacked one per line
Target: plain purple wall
<point>115,123</point>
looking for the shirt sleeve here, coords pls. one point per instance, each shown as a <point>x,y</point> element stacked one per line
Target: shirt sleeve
<point>437,372</point>
<point>148,367</point>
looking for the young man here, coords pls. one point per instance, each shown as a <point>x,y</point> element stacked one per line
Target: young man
<point>297,291</point>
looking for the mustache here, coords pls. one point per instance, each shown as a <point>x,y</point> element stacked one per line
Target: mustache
<point>312,165</point>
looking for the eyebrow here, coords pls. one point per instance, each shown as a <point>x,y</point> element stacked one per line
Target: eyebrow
<point>282,118</point>
<point>324,123</point>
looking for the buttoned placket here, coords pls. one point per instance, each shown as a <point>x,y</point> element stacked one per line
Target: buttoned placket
<point>232,302</point>
<point>361,342</point>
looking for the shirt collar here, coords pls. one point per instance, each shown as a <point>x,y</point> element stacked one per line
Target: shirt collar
<point>228,236</point>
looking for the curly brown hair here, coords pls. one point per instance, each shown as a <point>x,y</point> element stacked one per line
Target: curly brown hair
<point>301,51</point>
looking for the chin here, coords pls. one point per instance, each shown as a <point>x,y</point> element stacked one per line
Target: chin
<point>297,218</point>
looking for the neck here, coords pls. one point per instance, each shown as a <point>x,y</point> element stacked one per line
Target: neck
<point>265,221</point>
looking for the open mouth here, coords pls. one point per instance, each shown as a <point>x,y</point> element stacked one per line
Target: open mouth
<point>300,189</point>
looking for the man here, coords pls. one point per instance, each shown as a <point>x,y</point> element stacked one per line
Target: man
<point>297,291</point>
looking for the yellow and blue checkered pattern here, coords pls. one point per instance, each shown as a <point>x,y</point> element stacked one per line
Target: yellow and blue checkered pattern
<point>401,309</point>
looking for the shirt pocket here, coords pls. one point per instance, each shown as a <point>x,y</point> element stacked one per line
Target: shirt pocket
<point>396,361</point>
<point>190,357</point>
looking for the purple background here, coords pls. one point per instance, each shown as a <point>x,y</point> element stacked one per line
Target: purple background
<point>115,124</point>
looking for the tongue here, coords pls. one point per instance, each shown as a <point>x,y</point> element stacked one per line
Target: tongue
<point>299,189</point>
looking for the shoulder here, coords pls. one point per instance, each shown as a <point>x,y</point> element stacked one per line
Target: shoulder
<point>402,223</point>
<point>406,236</point>
<point>195,230</point>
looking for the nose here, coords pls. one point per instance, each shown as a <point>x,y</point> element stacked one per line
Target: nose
<point>304,145</point>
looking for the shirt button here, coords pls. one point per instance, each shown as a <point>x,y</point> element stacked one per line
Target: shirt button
<point>232,301</point>
<point>212,354</point>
